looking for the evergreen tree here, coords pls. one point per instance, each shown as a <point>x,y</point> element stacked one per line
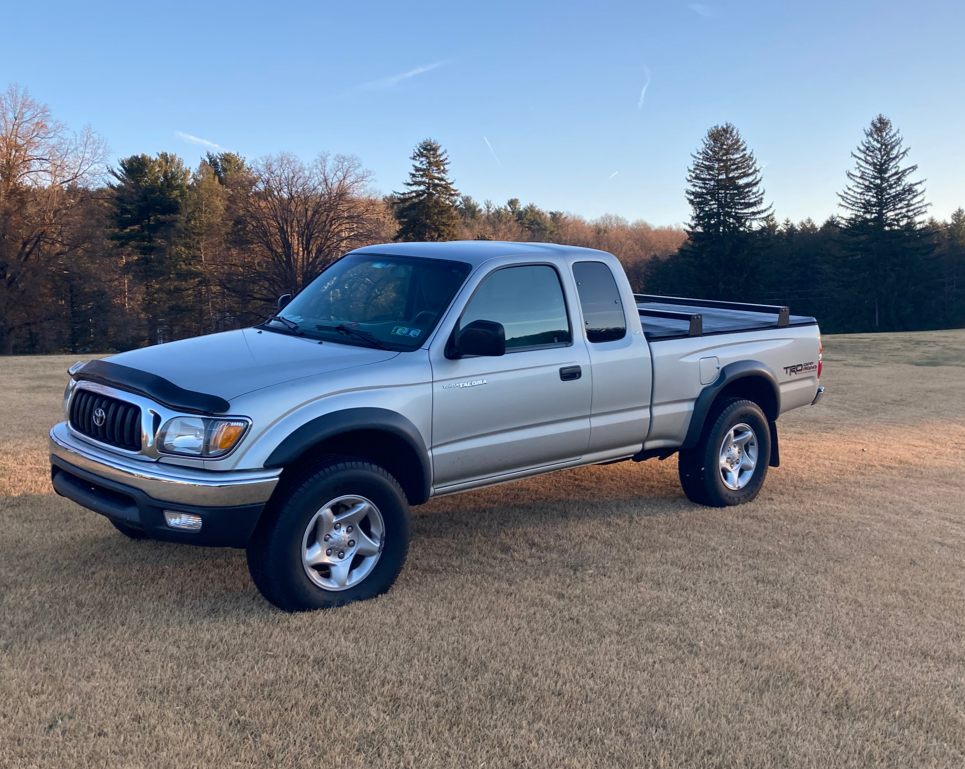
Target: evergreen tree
<point>201,242</point>
<point>225,164</point>
<point>147,202</point>
<point>722,256</point>
<point>427,211</point>
<point>884,272</point>
<point>951,269</point>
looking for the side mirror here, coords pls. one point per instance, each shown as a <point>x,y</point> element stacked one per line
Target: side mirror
<point>481,337</point>
<point>283,300</point>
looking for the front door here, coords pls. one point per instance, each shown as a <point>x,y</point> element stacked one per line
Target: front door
<point>526,409</point>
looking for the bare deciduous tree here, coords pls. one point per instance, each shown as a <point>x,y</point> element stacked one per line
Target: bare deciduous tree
<point>46,175</point>
<point>297,218</point>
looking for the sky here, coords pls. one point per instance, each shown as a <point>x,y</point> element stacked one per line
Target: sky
<point>585,107</point>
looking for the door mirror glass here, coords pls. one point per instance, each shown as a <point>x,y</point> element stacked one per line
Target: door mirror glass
<point>283,300</point>
<point>481,337</point>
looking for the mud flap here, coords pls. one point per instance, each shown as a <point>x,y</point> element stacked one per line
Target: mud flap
<point>775,451</point>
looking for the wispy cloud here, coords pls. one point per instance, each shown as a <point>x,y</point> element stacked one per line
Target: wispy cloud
<point>197,140</point>
<point>388,82</point>
<point>612,175</point>
<point>492,150</point>
<point>701,9</point>
<point>646,71</point>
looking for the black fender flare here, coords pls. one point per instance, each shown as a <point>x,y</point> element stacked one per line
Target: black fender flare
<point>730,373</point>
<point>352,420</point>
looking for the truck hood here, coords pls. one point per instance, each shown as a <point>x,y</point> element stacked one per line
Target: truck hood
<point>236,362</point>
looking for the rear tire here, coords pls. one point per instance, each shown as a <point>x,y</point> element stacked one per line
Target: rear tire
<point>729,464</point>
<point>338,535</point>
<point>129,531</point>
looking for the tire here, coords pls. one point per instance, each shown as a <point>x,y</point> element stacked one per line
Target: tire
<point>129,531</point>
<point>705,470</point>
<point>364,513</point>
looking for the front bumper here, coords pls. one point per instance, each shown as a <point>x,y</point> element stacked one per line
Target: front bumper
<point>137,492</point>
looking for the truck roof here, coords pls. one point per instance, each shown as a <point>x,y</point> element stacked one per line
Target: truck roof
<point>475,252</point>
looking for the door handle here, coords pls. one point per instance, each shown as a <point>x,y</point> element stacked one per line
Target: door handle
<point>569,373</point>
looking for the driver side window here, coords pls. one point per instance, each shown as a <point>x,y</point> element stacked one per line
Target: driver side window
<point>528,301</point>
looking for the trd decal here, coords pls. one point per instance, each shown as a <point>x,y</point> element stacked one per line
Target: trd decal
<point>801,368</point>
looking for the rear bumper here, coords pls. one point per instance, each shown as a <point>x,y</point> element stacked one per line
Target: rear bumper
<point>818,396</point>
<point>137,493</point>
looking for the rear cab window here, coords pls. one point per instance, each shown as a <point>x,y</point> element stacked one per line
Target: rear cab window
<point>604,318</point>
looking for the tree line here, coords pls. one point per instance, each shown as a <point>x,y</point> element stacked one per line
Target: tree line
<point>96,258</point>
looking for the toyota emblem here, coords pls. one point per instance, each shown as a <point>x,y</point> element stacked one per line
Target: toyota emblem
<point>99,417</point>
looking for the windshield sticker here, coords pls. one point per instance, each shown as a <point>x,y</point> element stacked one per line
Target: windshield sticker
<point>406,331</point>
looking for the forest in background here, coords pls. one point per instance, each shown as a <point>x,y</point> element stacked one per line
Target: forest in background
<point>97,257</point>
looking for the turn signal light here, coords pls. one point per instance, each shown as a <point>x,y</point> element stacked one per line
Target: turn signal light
<point>225,435</point>
<point>183,521</point>
<point>820,356</point>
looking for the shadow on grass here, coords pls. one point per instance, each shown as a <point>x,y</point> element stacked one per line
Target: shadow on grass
<point>80,576</point>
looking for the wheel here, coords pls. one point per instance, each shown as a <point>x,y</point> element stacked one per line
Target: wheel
<point>129,531</point>
<point>729,464</point>
<point>339,534</point>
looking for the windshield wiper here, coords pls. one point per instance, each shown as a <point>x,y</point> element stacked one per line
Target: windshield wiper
<point>351,330</point>
<point>289,324</point>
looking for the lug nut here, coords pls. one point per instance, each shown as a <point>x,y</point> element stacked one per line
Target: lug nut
<point>351,543</point>
<point>328,552</point>
<point>338,526</point>
<point>349,529</point>
<point>328,537</point>
<point>341,553</point>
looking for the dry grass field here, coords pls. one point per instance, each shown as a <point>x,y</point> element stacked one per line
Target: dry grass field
<point>589,618</point>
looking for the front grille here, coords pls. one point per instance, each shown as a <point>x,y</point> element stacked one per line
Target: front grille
<point>121,426</point>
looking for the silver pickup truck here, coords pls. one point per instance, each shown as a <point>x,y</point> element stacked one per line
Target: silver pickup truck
<point>410,371</point>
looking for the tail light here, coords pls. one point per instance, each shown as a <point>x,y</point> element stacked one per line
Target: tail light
<point>820,356</point>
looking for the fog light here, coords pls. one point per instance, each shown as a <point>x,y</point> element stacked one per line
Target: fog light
<point>184,521</point>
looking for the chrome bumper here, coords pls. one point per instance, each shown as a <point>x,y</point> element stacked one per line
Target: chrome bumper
<point>817,398</point>
<point>164,482</point>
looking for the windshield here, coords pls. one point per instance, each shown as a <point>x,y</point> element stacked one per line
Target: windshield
<point>372,300</point>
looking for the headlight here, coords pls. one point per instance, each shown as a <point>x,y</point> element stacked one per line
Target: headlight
<point>201,436</point>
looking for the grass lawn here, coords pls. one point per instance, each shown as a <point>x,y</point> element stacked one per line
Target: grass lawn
<point>592,617</point>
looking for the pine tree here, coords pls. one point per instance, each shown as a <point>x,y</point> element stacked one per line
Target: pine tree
<point>427,209</point>
<point>146,212</point>
<point>884,271</point>
<point>721,258</point>
<point>951,269</point>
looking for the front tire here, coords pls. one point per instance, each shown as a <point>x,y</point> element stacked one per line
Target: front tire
<point>729,464</point>
<point>338,535</point>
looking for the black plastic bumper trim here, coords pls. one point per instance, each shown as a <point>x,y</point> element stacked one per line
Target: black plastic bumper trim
<point>220,526</point>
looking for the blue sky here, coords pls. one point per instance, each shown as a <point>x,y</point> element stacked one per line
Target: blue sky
<point>555,88</point>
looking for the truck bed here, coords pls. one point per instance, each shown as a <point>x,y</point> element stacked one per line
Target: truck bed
<point>665,317</point>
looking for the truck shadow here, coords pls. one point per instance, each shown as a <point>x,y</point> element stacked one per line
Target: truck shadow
<point>113,582</point>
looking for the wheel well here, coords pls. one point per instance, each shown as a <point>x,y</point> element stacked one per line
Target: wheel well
<point>753,388</point>
<point>377,446</point>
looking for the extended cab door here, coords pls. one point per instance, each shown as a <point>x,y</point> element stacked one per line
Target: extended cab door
<point>526,409</point>
<point>619,355</point>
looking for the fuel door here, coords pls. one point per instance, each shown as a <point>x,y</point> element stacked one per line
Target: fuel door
<point>709,369</point>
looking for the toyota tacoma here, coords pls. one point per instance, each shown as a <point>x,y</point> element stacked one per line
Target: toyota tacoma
<point>410,371</point>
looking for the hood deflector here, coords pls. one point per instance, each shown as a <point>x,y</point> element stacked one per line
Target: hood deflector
<point>163,391</point>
